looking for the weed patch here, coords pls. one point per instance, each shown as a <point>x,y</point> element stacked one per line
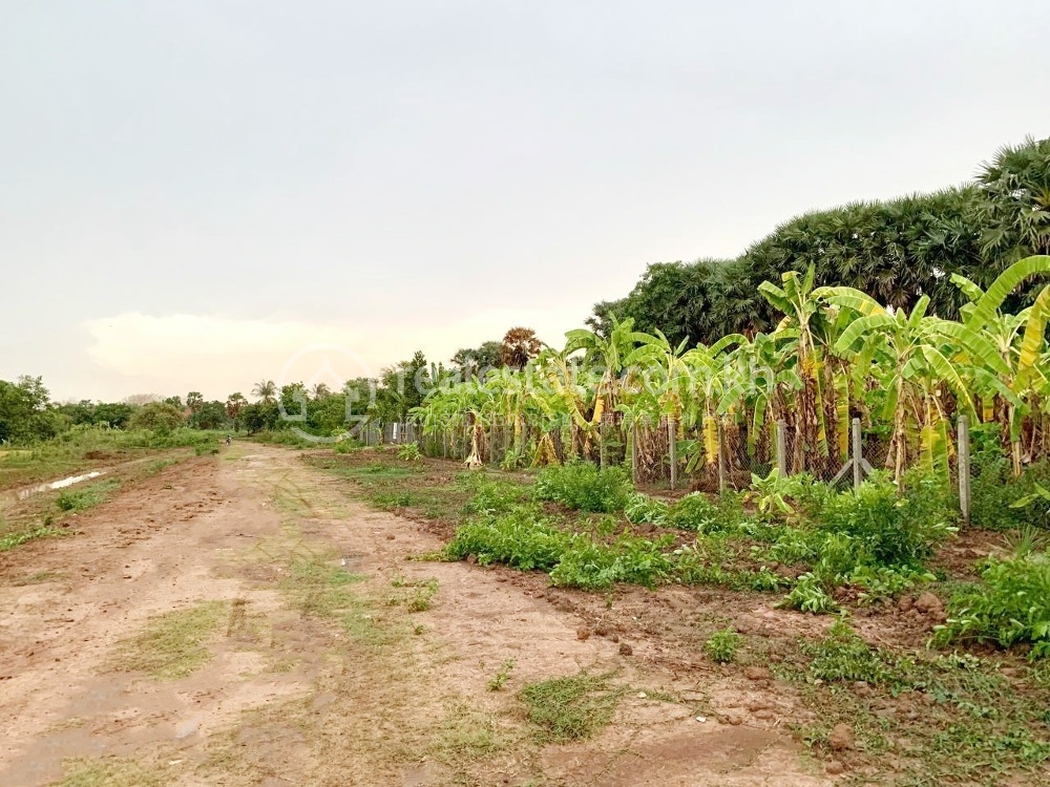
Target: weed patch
<point>723,645</point>
<point>502,675</point>
<point>108,772</point>
<point>12,540</point>
<point>173,645</point>
<point>585,487</point>
<point>1011,606</point>
<point>76,500</point>
<point>571,708</point>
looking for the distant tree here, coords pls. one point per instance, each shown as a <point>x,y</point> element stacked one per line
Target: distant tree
<point>161,417</point>
<point>194,401</point>
<point>88,413</point>
<point>260,416</point>
<point>1014,213</point>
<point>26,414</point>
<point>235,404</point>
<point>470,361</point>
<point>113,414</point>
<point>293,399</point>
<point>265,390</point>
<point>320,391</point>
<point>403,386</point>
<point>519,346</point>
<point>209,415</point>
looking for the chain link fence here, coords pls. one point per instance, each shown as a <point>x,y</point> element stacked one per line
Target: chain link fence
<point>663,453</point>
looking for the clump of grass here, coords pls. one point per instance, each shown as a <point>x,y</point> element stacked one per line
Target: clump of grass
<point>498,680</point>
<point>466,735</point>
<point>75,500</point>
<point>107,772</point>
<point>173,645</point>
<point>422,592</point>
<point>844,656</point>
<point>155,467</point>
<point>571,708</point>
<point>320,589</point>
<point>723,645</point>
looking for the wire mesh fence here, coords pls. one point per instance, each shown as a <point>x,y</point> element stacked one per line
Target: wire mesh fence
<point>663,453</point>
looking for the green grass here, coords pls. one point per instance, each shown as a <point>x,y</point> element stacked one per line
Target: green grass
<point>173,645</point>
<point>155,467</point>
<point>571,708</point>
<point>12,540</point>
<point>466,735</point>
<point>83,449</point>
<point>82,498</point>
<point>955,718</point>
<point>323,590</point>
<point>108,772</point>
<point>419,594</point>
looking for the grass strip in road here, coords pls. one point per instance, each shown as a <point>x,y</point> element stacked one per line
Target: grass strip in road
<point>172,645</point>
<point>107,772</point>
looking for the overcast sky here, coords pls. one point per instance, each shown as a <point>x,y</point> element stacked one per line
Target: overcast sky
<point>198,194</point>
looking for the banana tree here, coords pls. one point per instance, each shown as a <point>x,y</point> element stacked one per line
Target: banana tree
<point>807,331</point>
<point>923,356</point>
<point>1020,353</point>
<point>605,360</point>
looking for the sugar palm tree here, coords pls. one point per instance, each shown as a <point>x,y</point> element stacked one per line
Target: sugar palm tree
<point>266,390</point>
<point>520,345</point>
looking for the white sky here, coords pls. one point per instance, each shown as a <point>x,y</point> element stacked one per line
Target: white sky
<point>196,195</point>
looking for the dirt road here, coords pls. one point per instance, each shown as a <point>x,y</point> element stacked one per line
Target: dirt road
<point>302,646</point>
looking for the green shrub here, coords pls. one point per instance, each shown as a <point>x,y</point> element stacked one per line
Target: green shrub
<point>844,656</point>
<point>519,538</point>
<point>704,563</point>
<point>723,645</point>
<point>880,582</point>
<point>491,495</point>
<point>876,526</point>
<point>697,512</point>
<point>810,594</point>
<point>347,446</point>
<point>584,486</point>
<point>593,565</point>
<point>643,509</point>
<point>1010,606</point>
<point>994,488</point>
<point>409,452</point>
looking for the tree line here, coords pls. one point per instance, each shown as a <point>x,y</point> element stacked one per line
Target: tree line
<point>897,251</point>
<point>28,415</point>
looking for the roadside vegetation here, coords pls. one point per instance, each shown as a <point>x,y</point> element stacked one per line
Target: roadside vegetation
<point>935,660</point>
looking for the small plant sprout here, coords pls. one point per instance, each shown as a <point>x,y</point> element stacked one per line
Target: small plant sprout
<point>499,680</point>
<point>723,645</point>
